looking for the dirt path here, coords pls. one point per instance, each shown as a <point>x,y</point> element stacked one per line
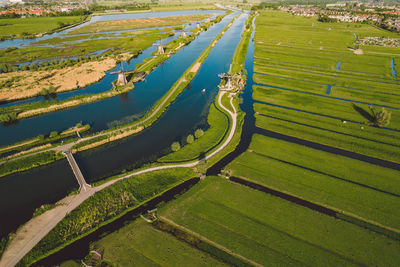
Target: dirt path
<point>205,239</point>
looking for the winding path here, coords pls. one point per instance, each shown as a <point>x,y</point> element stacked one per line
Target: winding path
<point>36,229</point>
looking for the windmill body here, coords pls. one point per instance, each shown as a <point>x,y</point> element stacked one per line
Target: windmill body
<point>121,77</point>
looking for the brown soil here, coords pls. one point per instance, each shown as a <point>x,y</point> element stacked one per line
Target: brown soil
<point>30,83</point>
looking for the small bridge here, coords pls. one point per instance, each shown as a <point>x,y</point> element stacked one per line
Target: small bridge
<point>77,172</point>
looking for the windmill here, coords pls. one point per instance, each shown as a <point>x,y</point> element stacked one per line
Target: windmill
<point>228,80</point>
<point>183,34</point>
<point>121,76</point>
<point>160,49</point>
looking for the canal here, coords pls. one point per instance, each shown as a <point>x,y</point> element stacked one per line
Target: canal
<point>186,114</point>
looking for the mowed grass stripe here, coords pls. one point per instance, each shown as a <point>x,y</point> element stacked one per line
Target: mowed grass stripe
<point>140,244</point>
<point>338,93</point>
<point>353,170</point>
<point>321,105</point>
<point>298,232</point>
<point>264,67</point>
<point>387,141</point>
<point>319,188</point>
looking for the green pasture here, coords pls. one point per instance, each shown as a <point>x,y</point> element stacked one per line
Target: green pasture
<point>391,99</point>
<point>317,186</point>
<point>280,27</point>
<point>104,207</point>
<point>140,244</point>
<point>19,27</point>
<point>335,78</point>
<point>362,139</point>
<point>321,105</point>
<point>272,231</point>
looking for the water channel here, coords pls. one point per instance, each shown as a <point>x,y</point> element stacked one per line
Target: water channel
<point>186,114</point>
<point>80,248</point>
<point>126,108</point>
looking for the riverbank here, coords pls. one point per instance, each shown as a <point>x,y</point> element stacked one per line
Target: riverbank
<point>34,109</point>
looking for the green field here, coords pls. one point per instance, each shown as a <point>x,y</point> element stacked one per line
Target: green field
<point>140,244</point>
<point>272,231</point>
<point>219,125</point>
<point>349,185</point>
<point>20,27</point>
<point>104,207</point>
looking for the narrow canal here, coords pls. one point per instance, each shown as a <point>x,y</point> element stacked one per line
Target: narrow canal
<point>186,114</point>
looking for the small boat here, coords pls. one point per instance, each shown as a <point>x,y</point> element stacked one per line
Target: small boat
<point>203,91</point>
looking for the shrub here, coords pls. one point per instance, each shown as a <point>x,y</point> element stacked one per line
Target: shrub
<point>175,146</point>
<point>53,134</point>
<point>190,139</point>
<point>199,133</point>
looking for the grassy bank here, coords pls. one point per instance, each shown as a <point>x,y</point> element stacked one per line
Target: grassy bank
<point>29,162</point>
<point>41,139</point>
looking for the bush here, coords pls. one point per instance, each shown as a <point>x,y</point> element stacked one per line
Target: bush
<point>175,146</point>
<point>199,133</point>
<point>190,139</point>
<point>53,134</point>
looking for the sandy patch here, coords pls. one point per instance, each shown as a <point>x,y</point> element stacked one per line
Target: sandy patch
<point>196,67</point>
<point>30,83</point>
<point>358,52</point>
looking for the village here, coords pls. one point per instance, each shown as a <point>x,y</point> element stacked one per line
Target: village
<point>386,17</point>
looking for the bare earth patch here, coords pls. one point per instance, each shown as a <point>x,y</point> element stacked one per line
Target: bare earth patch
<point>196,67</point>
<point>30,83</point>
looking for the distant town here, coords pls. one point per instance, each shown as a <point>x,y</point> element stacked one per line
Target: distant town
<point>383,16</point>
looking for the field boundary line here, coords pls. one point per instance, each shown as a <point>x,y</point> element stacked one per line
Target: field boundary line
<point>205,239</point>
<point>328,210</point>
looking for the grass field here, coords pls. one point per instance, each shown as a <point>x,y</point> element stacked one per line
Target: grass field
<point>104,207</point>
<point>272,231</point>
<point>21,27</point>
<point>325,98</point>
<point>140,244</point>
<point>219,124</point>
<point>117,25</point>
<point>356,187</point>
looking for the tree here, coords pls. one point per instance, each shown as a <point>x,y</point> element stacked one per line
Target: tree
<point>175,146</point>
<point>380,118</point>
<point>53,134</point>
<point>190,139</point>
<point>198,133</point>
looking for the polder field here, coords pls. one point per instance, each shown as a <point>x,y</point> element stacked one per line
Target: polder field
<point>315,144</point>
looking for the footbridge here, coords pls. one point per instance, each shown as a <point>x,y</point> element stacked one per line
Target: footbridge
<point>83,186</point>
